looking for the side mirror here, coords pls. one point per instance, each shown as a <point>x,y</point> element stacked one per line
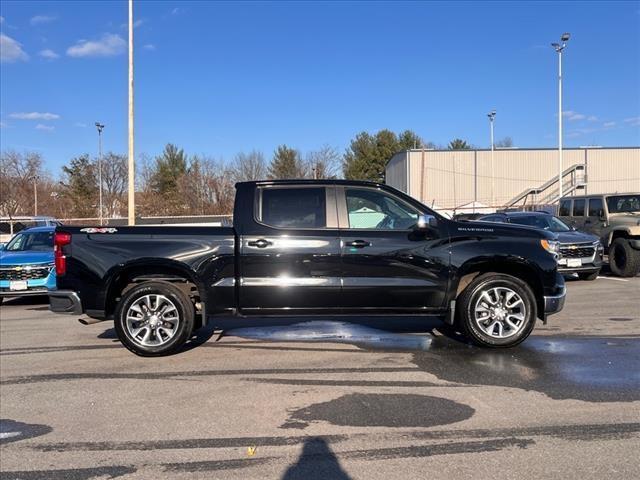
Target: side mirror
<point>426,222</point>
<point>2,245</point>
<point>601,215</point>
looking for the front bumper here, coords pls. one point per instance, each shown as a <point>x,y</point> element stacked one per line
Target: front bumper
<point>554,303</point>
<point>38,286</point>
<point>65,301</point>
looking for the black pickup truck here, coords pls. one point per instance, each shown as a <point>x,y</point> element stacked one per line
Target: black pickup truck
<point>309,248</point>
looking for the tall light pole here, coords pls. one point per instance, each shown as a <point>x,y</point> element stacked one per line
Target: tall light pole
<point>131,196</point>
<point>492,117</point>
<point>35,195</point>
<point>100,127</point>
<point>559,47</point>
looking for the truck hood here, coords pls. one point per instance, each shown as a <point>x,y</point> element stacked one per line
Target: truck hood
<point>576,237</point>
<point>25,258</point>
<point>627,218</point>
<point>490,229</point>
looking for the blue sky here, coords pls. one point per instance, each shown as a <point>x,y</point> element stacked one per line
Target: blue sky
<point>218,78</point>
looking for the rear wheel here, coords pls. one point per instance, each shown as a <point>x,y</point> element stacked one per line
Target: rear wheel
<point>154,318</point>
<point>623,259</point>
<point>497,310</point>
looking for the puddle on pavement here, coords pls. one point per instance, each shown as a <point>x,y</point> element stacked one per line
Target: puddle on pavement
<point>382,410</point>
<point>595,369</point>
<point>334,332</point>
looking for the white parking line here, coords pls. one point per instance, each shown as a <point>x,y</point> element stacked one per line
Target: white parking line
<point>612,278</point>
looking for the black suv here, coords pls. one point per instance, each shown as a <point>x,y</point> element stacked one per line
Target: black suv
<point>580,252</point>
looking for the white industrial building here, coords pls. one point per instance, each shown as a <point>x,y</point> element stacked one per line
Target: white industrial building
<point>513,177</point>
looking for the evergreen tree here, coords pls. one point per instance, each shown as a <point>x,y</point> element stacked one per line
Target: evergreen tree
<point>286,164</point>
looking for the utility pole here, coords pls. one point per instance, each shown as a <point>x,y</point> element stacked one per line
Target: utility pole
<point>559,47</point>
<point>100,127</point>
<point>492,116</point>
<point>132,182</point>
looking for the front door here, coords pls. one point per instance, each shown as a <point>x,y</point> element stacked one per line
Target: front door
<point>290,258</point>
<point>387,264</point>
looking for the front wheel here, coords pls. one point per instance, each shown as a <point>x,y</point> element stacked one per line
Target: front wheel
<point>623,259</point>
<point>154,318</point>
<point>589,276</point>
<point>497,310</point>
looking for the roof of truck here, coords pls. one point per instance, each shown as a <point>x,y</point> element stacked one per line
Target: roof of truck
<point>313,182</point>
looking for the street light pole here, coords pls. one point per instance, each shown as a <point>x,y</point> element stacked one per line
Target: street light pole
<point>99,126</point>
<point>35,195</point>
<point>492,116</point>
<point>131,164</point>
<point>559,47</point>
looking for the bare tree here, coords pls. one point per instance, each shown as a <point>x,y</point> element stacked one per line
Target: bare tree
<point>207,187</point>
<point>114,183</point>
<point>18,173</point>
<point>249,166</point>
<point>506,142</point>
<point>323,163</point>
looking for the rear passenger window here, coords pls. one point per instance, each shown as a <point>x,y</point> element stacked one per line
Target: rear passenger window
<point>595,207</point>
<point>293,207</point>
<point>578,208</point>
<point>565,208</point>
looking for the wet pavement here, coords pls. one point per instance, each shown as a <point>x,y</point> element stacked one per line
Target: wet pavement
<point>327,399</point>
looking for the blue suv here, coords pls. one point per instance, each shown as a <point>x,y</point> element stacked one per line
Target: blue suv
<point>27,264</point>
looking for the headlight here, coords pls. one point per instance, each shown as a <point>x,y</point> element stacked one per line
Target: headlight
<point>551,246</point>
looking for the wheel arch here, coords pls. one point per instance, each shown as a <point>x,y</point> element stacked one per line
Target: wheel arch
<point>145,270</point>
<point>518,269</point>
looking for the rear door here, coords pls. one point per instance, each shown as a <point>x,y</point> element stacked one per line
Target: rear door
<point>290,254</point>
<point>578,212</point>
<point>595,211</point>
<point>386,263</point>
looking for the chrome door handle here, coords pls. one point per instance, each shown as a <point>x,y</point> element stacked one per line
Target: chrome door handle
<point>260,243</point>
<point>358,244</point>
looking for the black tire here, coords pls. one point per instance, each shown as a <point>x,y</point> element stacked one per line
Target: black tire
<point>185,318</point>
<point>623,259</point>
<point>467,300</point>
<point>588,276</point>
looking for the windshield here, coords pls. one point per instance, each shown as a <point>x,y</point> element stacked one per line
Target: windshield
<point>623,203</point>
<point>545,222</point>
<point>36,241</point>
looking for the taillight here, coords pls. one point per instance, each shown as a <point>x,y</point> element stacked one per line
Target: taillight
<point>60,239</point>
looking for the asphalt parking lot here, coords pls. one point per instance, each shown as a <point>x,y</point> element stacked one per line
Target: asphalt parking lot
<point>326,399</point>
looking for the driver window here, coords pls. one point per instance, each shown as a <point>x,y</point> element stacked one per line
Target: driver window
<point>373,209</point>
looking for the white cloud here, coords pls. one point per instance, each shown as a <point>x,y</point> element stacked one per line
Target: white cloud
<point>149,46</point>
<point>633,121</point>
<point>45,128</point>
<point>592,118</point>
<point>109,45</point>
<point>80,125</point>
<point>34,116</point>
<point>609,124</point>
<point>11,50</point>
<point>2,124</point>
<point>175,11</point>
<point>42,19</point>
<point>136,24</point>
<point>48,54</point>
<point>573,116</point>
<point>1,19</point>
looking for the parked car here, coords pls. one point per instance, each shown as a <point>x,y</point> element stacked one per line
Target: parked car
<point>615,219</point>
<point>314,247</point>
<point>580,252</point>
<point>9,226</point>
<point>27,263</point>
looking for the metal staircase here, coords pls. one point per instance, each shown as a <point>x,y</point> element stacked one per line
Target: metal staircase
<point>573,178</point>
